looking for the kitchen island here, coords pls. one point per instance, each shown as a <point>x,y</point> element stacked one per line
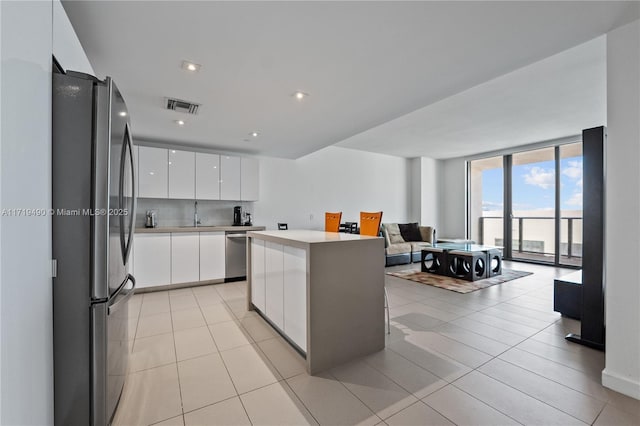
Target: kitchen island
<point>322,291</point>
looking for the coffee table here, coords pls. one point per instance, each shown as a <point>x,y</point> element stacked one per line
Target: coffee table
<point>466,261</point>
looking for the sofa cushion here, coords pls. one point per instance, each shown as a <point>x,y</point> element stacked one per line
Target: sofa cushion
<point>385,235</point>
<point>427,233</point>
<point>416,247</point>
<point>399,248</point>
<point>410,231</point>
<point>393,233</point>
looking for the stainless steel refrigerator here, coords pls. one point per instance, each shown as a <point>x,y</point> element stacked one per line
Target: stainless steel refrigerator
<point>93,222</point>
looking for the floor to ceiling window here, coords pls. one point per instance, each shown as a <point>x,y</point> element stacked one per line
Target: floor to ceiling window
<point>533,205</point>
<point>486,201</point>
<point>529,203</point>
<point>571,204</point>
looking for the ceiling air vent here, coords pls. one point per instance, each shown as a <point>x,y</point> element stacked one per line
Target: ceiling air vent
<point>181,106</point>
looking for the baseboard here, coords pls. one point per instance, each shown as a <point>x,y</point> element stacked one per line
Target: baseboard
<point>177,286</point>
<point>621,384</point>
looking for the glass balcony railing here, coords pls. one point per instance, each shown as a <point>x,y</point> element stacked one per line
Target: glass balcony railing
<point>534,238</point>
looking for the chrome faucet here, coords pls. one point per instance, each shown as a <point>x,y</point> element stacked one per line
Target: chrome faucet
<point>196,221</point>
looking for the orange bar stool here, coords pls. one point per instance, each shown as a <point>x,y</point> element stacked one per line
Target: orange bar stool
<point>332,221</point>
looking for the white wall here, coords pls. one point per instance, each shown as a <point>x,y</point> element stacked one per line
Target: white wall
<point>452,198</point>
<point>66,46</point>
<point>424,182</point>
<point>26,345</point>
<point>622,229</point>
<point>431,180</point>
<point>300,191</point>
<point>415,190</point>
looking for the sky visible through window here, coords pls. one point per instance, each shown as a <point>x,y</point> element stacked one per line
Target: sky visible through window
<point>534,186</point>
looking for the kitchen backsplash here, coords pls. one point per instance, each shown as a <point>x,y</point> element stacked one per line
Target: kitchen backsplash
<point>180,212</point>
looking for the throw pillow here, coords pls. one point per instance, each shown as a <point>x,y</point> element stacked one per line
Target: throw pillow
<point>427,234</point>
<point>410,231</point>
<point>394,233</point>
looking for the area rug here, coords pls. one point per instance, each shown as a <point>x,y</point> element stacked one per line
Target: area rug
<point>455,284</point>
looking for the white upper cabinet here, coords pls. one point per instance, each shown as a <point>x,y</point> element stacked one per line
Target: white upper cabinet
<point>207,176</point>
<point>170,173</point>
<point>182,174</point>
<point>249,181</point>
<point>153,176</point>
<point>229,177</point>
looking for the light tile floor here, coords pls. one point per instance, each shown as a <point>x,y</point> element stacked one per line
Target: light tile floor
<point>493,357</point>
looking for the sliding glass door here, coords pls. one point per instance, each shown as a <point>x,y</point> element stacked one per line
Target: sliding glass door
<point>571,204</point>
<point>529,203</point>
<point>533,205</point>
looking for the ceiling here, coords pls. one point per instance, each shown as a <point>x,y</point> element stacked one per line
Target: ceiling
<point>363,63</point>
<point>553,98</point>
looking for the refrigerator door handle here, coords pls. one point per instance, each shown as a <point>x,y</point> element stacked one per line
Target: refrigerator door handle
<point>125,241</point>
<point>115,306</point>
<point>132,214</point>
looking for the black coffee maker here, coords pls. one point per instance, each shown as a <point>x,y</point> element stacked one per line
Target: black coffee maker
<point>237,216</point>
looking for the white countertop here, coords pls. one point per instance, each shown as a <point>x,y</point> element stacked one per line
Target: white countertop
<point>200,228</point>
<point>309,236</point>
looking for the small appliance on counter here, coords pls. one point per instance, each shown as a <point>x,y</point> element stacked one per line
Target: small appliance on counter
<point>247,219</point>
<point>237,216</point>
<point>150,220</point>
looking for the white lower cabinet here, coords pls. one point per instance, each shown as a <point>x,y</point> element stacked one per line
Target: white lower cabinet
<point>257,274</point>
<point>274,283</point>
<point>279,287</point>
<point>152,259</point>
<point>295,295</point>
<point>185,257</point>
<point>212,255</point>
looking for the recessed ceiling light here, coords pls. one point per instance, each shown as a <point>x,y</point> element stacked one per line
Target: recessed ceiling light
<point>299,95</point>
<point>180,122</point>
<point>255,134</point>
<point>191,66</point>
<point>173,151</point>
<point>123,114</point>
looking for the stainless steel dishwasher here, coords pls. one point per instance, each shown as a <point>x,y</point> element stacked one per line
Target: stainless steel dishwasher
<point>236,255</point>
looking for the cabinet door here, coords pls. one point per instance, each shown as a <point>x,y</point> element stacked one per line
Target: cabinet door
<point>212,255</point>
<point>185,257</point>
<point>249,181</point>
<point>207,176</point>
<point>182,174</point>
<point>152,258</point>
<point>154,172</point>
<point>257,274</point>
<point>295,295</point>
<point>274,283</point>
<point>229,178</point>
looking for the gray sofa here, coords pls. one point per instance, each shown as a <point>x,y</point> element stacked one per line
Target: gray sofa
<point>399,250</point>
